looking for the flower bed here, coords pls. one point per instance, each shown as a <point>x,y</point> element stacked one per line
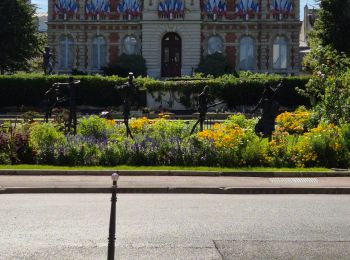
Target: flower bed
<point>157,142</point>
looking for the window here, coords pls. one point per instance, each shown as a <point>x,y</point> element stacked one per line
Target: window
<point>215,45</point>
<point>280,53</point>
<point>130,45</point>
<point>66,52</point>
<point>246,53</point>
<point>99,52</point>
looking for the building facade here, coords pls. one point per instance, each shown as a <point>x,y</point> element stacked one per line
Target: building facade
<point>173,35</point>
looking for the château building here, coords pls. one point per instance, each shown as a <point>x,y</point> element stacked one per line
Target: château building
<point>173,35</point>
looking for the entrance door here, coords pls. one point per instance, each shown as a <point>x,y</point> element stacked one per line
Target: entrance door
<point>171,55</point>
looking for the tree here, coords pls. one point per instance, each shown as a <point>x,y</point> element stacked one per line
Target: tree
<point>19,40</point>
<point>214,64</point>
<point>125,64</point>
<point>329,86</point>
<point>332,25</point>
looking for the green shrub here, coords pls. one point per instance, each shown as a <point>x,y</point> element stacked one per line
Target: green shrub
<point>242,121</point>
<point>125,64</point>
<point>45,140</point>
<point>4,158</point>
<point>214,64</point>
<point>80,150</point>
<point>14,143</point>
<point>94,126</point>
<point>28,89</point>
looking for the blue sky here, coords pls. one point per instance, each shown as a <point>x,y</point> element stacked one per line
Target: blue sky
<point>42,5</point>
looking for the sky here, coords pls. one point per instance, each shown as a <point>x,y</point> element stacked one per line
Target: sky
<point>42,5</point>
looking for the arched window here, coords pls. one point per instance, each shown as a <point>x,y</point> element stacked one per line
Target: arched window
<point>215,44</point>
<point>130,45</point>
<point>66,52</point>
<point>280,53</point>
<point>99,52</point>
<point>246,53</point>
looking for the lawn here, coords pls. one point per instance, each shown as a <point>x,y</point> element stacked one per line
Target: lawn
<point>160,168</point>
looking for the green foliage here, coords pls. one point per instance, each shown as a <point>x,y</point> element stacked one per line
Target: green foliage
<point>125,64</point>
<point>331,25</point>
<point>93,126</point>
<point>14,143</point>
<point>329,89</point>
<point>20,40</point>
<point>35,65</point>
<point>79,150</point>
<point>29,89</point>
<point>232,143</point>
<point>214,64</point>
<point>45,140</point>
<point>297,122</point>
<point>328,144</point>
<point>234,91</point>
<point>242,121</point>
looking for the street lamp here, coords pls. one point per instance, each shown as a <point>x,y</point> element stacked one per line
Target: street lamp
<point>111,238</point>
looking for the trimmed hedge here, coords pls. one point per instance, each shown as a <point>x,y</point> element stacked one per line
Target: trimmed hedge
<point>236,91</point>
<point>28,89</point>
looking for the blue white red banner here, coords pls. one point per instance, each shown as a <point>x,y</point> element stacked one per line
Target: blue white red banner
<point>171,6</point>
<point>129,7</point>
<point>94,7</point>
<point>281,7</point>
<point>65,7</point>
<point>215,7</point>
<point>247,7</point>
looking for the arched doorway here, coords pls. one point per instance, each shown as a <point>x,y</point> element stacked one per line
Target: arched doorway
<point>171,55</point>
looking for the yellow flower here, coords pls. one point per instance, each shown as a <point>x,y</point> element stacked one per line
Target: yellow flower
<point>223,135</point>
<point>110,122</point>
<point>139,124</point>
<point>293,122</point>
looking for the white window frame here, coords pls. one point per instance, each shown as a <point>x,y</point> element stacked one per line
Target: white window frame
<point>281,43</point>
<point>136,45</point>
<point>221,47</point>
<point>100,42</point>
<point>246,50</point>
<point>66,42</point>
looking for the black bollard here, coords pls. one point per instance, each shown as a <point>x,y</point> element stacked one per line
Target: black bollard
<point>111,238</point>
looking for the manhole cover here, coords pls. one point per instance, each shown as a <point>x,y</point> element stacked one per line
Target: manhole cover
<point>293,180</point>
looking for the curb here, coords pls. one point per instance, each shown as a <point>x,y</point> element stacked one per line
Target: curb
<point>180,190</point>
<point>175,173</point>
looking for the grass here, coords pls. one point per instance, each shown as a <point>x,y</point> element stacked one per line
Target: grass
<point>165,168</point>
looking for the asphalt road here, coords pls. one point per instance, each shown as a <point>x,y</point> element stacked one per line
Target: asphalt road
<point>179,226</point>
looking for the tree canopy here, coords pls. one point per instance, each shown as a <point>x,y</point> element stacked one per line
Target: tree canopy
<point>332,25</point>
<point>19,40</point>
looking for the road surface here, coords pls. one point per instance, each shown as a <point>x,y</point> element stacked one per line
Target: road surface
<point>178,226</point>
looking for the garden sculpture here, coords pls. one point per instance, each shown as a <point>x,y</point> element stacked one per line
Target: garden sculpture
<point>128,92</point>
<point>58,97</point>
<point>72,104</point>
<point>52,98</point>
<point>47,63</point>
<point>270,108</point>
<point>203,100</point>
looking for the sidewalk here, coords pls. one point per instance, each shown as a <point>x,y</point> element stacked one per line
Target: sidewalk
<point>174,184</point>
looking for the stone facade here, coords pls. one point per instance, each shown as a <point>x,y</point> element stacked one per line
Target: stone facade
<point>251,38</point>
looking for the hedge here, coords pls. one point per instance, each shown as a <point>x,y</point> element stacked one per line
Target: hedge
<point>28,89</point>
